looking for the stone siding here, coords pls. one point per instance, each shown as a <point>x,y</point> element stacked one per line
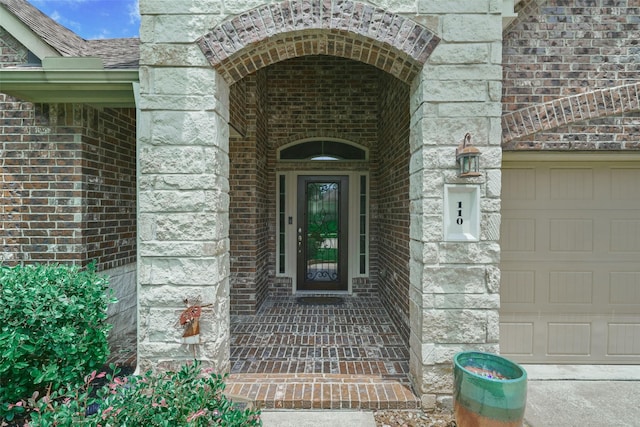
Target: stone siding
<point>452,287</point>
<point>122,280</point>
<point>183,184</point>
<point>454,294</point>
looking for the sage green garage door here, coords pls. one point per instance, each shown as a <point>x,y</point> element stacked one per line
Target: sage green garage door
<point>570,289</point>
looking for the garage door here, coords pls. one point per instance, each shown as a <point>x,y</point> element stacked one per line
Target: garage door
<point>570,289</point>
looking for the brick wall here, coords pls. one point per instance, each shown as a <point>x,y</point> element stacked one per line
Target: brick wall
<point>322,96</point>
<point>316,96</point>
<point>68,179</point>
<point>68,190</point>
<point>250,231</point>
<point>68,184</point>
<point>109,180</point>
<point>392,220</point>
<point>42,187</point>
<point>11,51</point>
<point>265,193</point>
<point>572,51</point>
<point>237,107</point>
<point>243,203</point>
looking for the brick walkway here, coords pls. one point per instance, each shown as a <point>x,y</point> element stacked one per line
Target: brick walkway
<point>293,355</point>
<point>297,356</point>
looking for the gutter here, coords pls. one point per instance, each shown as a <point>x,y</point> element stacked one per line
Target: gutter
<point>71,80</point>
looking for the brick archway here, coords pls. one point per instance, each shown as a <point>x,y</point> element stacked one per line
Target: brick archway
<point>348,29</point>
<point>571,109</point>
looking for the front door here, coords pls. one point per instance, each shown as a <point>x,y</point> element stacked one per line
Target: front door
<point>322,233</point>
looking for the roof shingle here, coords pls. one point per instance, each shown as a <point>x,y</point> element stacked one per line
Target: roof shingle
<point>115,53</point>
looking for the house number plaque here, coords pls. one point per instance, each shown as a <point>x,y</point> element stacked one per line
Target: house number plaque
<point>462,213</point>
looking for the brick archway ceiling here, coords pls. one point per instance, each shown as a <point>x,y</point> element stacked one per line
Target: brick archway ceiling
<point>575,108</point>
<point>348,29</point>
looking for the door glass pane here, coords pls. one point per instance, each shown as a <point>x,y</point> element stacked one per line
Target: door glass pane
<point>322,231</point>
<point>363,225</point>
<point>281,220</point>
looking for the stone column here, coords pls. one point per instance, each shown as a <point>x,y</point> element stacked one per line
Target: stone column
<point>454,297</point>
<point>183,168</point>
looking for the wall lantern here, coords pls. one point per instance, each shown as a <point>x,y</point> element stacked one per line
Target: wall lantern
<point>467,158</point>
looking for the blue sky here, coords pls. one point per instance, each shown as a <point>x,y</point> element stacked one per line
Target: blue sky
<point>94,19</point>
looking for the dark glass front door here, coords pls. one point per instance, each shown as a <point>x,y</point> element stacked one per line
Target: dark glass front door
<point>322,233</point>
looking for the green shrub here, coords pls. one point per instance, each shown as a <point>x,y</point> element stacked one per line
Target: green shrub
<point>52,329</point>
<point>189,397</point>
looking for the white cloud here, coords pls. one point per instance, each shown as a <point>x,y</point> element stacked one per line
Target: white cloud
<point>71,24</point>
<point>134,11</point>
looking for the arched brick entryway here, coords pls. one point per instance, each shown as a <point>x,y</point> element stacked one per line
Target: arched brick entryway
<point>451,288</point>
<point>393,46</point>
<point>353,30</point>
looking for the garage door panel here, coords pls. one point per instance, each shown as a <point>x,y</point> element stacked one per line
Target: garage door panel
<point>518,338</point>
<point>570,235</point>
<point>604,236</point>
<point>580,338</point>
<point>519,234</point>
<point>624,288</point>
<point>625,235</point>
<point>519,184</point>
<point>518,287</point>
<point>569,339</point>
<point>624,184</point>
<point>570,285</point>
<point>624,339</point>
<point>571,184</point>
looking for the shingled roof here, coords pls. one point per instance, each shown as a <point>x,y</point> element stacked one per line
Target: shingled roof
<point>115,53</point>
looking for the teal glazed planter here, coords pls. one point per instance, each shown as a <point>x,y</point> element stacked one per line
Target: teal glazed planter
<point>489,390</point>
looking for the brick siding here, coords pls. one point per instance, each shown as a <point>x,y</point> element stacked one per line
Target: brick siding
<point>325,97</point>
<point>251,202</point>
<point>322,96</point>
<point>68,179</point>
<point>68,184</point>
<point>570,76</point>
<point>392,219</point>
<point>317,96</point>
<point>11,51</point>
<point>109,179</point>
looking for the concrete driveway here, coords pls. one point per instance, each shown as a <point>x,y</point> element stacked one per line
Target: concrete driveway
<point>583,396</point>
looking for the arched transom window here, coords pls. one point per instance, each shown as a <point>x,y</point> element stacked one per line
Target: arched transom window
<point>322,150</point>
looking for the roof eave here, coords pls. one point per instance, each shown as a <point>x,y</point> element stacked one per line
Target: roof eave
<point>112,88</point>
